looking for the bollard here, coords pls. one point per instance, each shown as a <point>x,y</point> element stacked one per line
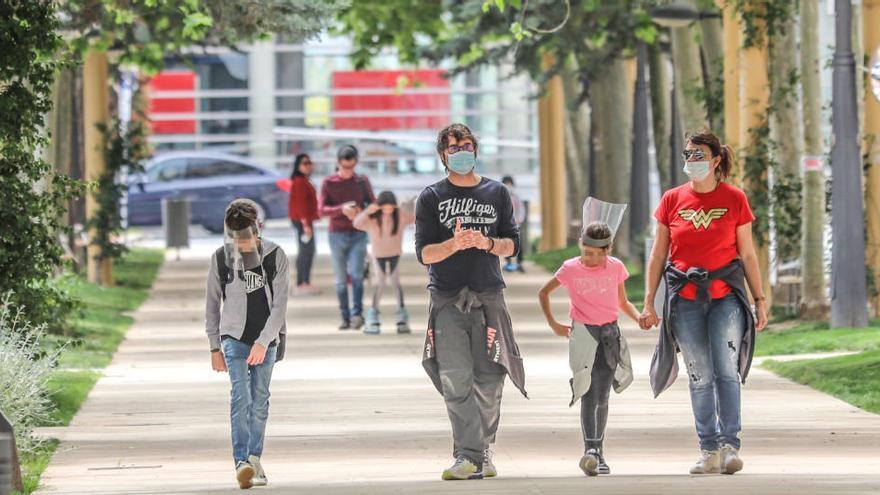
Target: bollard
<point>10,471</point>
<point>5,463</point>
<point>175,220</point>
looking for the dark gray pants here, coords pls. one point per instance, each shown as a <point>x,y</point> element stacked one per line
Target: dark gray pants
<point>471,383</point>
<point>304,255</point>
<point>594,404</point>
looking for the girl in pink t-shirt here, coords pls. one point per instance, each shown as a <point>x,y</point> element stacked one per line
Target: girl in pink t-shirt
<point>598,353</point>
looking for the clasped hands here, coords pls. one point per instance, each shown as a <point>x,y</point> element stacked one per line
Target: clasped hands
<point>466,238</point>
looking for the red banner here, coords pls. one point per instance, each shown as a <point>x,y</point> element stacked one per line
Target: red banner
<point>173,81</point>
<point>414,110</point>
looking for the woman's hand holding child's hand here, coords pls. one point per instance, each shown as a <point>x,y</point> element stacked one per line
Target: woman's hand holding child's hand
<point>648,318</point>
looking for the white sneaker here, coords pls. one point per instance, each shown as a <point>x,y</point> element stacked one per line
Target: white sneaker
<point>709,463</point>
<point>730,461</point>
<point>260,475</point>
<point>463,469</point>
<point>244,474</point>
<point>489,470</point>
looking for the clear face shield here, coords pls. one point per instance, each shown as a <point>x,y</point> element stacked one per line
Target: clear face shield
<point>242,247</point>
<point>597,211</point>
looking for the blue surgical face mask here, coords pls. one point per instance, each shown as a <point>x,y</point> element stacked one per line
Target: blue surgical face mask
<point>697,170</point>
<point>462,163</point>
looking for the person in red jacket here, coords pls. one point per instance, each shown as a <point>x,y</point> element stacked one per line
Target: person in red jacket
<point>303,211</point>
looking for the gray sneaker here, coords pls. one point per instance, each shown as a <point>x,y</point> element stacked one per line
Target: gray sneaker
<point>709,463</point>
<point>260,475</point>
<point>730,462</point>
<point>463,469</point>
<point>244,474</point>
<point>357,321</point>
<point>590,462</point>
<point>489,470</point>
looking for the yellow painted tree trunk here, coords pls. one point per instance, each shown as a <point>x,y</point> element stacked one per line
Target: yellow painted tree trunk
<point>755,98</point>
<point>95,111</point>
<point>871,17</point>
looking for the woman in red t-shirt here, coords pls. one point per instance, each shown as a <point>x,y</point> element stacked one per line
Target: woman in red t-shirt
<point>704,228</point>
<point>302,209</point>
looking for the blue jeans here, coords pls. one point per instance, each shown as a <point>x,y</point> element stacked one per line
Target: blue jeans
<point>349,251</point>
<point>709,336</point>
<point>249,407</point>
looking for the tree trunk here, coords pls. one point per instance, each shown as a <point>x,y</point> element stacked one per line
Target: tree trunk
<point>755,97</point>
<point>688,80</point>
<point>611,114</point>
<point>871,17</point>
<point>577,149</point>
<point>814,300</point>
<point>712,36</point>
<point>661,88</point>
<point>786,131</point>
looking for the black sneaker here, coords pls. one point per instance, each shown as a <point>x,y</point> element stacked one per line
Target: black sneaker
<point>345,325</point>
<point>602,468</point>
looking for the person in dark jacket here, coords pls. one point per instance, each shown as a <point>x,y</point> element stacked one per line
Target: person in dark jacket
<point>704,228</point>
<point>464,223</point>
<point>302,209</point>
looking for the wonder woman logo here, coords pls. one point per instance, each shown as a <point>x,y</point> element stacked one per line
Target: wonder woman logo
<point>702,219</point>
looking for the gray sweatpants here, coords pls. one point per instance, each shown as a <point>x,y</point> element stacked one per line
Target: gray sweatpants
<point>471,383</point>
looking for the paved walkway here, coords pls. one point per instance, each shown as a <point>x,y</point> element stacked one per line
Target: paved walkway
<point>355,414</point>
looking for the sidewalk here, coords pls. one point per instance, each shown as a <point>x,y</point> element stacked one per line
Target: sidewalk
<point>355,414</point>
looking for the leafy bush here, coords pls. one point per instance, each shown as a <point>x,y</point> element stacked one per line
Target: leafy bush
<point>33,195</point>
<point>24,374</point>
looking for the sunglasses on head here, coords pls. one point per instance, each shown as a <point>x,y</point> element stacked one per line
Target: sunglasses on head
<point>454,148</point>
<point>695,153</point>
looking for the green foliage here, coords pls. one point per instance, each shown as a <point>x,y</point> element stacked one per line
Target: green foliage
<point>854,379</point>
<point>756,163</point>
<point>762,18</point>
<point>812,337</point>
<point>100,328</point>
<point>146,31</point>
<point>125,147</point>
<point>374,25</point>
<point>68,390</point>
<point>34,463</point>
<point>586,33</point>
<point>787,198</point>
<point>24,374</point>
<point>32,194</point>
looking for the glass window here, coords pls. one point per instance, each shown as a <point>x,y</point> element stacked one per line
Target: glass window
<point>169,170</point>
<point>203,168</point>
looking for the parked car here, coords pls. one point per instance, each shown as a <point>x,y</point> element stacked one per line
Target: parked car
<point>209,180</point>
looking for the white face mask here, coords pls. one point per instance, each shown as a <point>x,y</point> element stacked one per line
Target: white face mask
<point>697,170</point>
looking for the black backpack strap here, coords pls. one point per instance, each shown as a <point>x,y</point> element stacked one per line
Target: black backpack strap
<point>270,267</point>
<point>222,271</point>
